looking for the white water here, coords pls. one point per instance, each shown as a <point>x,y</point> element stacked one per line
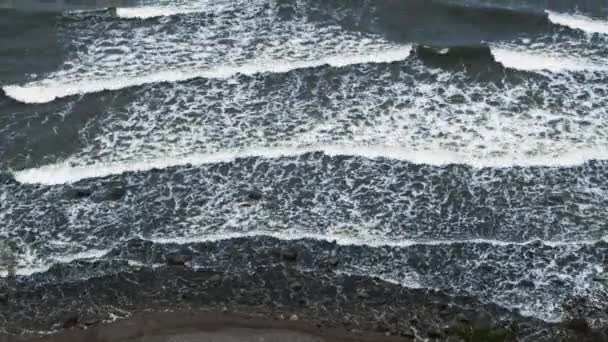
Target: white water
<point>153,12</point>
<point>50,90</point>
<point>371,241</point>
<point>163,127</point>
<point>30,263</point>
<point>543,60</point>
<point>163,8</point>
<point>65,173</point>
<point>229,37</point>
<point>578,21</point>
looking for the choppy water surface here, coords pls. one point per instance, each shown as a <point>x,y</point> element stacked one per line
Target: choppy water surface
<point>460,145</point>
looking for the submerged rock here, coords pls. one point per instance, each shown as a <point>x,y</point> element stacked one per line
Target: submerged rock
<point>579,324</point>
<point>295,286</point>
<point>289,254</point>
<point>115,193</point>
<point>255,195</point>
<point>81,193</point>
<point>71,321</point>
<point>215,279</point>
<point>178,260</point>
<point>7,178</point>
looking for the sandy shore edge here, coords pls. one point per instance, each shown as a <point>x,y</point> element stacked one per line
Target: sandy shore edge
<point>191,326</point>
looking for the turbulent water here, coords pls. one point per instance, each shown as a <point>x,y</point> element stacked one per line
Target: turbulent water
<point>460,145</point>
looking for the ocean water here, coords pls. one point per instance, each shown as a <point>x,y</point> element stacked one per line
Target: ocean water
<point>460,145</point>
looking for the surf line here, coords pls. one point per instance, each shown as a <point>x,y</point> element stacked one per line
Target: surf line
<point>363,241</point>
<point>538,61</point>
<point>66,172</point>
<point>299,236</point>
<point>50,89</point>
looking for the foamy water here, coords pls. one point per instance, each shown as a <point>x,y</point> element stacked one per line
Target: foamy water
<point>54,88</point>
<point>66,173</point>
<point>421,115</point>
<point>544,60</point>
<point>108,59</point>
<point>153,12</point>
<point>579,21</point>
<point>162,8</point>
<point>256,40</point>
<point>51,90</point>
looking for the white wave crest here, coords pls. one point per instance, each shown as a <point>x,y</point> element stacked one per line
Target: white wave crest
<point>344,240</point>
<point>49,90</point>
<point>542,60</point>
<point>31,264</point>
<point>152,12</point>
<point>165,8</point>
<point>578,21</point>
<point>66,173</point>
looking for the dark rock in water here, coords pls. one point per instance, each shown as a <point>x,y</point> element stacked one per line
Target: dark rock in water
<point>435,334</point>
<point>332,261</point>
<point>557,198</point>
<point>526,283</point>
<point>286,254</point>
<point>471,334</point>
<point>362,294</point>
<point>295,286</point>
<point>178,259</point>
<point>81,193</point>
<point>457,56</point>
<point>289,254</point>
<point>91,321</point>
<point>409,334</point>
<point>7,178</point>
<point>115,193</point>
<point>215,279</point>
<point>71,321</point>
<point>483,321</point>
<point>255,195</point>
<point>579,325</point>
<point>462,318</point>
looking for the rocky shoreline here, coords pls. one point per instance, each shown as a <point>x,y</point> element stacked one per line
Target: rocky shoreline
<point>267,288</point>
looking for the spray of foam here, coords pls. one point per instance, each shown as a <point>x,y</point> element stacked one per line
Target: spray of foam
<point>578,21</point>
<point>66,173</point>
<point>50,90</point>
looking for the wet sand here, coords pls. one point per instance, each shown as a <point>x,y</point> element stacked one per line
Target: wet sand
<point>211,327</point>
